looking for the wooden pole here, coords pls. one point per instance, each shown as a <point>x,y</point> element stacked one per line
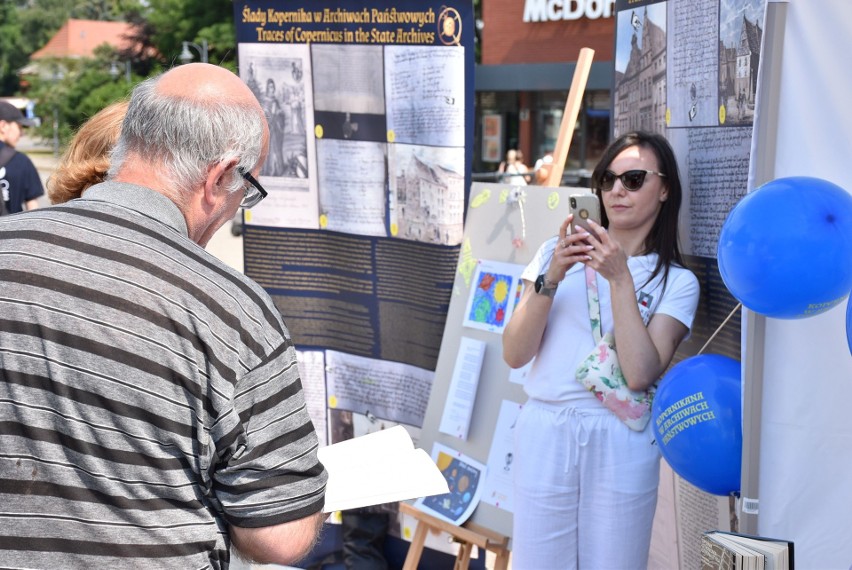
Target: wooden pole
<point>569,117</point>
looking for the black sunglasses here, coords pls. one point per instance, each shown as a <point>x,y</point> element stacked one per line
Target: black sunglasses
<point>632,180</point>
<point>253,192</point>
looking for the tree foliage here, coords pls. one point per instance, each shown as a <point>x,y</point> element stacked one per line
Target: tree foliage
<point>71,90</point>
<point>11,57</point>
<point>77,90</point>
<point>176,21</point>
<point>27,25</point>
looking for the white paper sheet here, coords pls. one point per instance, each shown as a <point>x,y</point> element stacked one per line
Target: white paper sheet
<point>497,487</point>
<point>455,420</point>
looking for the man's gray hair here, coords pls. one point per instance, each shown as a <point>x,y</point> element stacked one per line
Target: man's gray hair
<point>186,134</point>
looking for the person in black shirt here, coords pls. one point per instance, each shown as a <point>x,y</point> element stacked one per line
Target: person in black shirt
<point>20,184</point>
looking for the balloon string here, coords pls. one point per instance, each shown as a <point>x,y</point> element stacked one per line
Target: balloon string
<point>719,328</point>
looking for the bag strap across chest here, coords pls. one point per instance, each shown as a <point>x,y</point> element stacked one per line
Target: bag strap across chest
<point>594,303</point>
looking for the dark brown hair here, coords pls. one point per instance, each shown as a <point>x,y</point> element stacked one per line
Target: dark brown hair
<point>663,237</point>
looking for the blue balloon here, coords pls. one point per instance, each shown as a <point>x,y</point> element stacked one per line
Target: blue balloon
<point>849,324</point>
<point>696,417</point>
<point>785,250</point>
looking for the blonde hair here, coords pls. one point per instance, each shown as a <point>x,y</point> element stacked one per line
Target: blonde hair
<point>86,160</point>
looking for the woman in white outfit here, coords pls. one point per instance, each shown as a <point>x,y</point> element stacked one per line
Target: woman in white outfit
<point>513,169</point>
<point>585,485</point>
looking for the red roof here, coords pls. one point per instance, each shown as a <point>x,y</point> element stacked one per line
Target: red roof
<point>79,38</point>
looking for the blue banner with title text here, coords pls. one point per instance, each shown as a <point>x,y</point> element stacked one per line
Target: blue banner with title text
<point>370,113</point>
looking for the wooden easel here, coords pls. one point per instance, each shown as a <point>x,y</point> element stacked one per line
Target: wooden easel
<point>569,117</point>
<point>468,536</point>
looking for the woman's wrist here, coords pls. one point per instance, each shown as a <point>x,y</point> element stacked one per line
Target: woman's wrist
<point>548,282</point>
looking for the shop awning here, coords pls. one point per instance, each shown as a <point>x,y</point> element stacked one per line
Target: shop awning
<point>539,76</point>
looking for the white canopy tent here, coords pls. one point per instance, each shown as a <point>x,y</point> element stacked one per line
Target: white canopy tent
<point>797,440</point>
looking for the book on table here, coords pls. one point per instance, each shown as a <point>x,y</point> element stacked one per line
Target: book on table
<point>722,550</point>
<point>381,467</point>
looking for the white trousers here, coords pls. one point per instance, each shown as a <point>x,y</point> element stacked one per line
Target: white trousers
<point>585,490</point>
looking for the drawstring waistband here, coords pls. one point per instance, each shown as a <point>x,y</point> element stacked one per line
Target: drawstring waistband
<point>581,433</point>
<point>579,416</point>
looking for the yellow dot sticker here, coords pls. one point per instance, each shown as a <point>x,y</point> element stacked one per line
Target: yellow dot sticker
<point>553,200</point>
<point>406,532</point>
<point>323,221</point>
<point>668,116</point>
<point>318,131</point>
<point>394,229</point>
<point>332,401</point>
<point>391,136</point>
<point>248,215</point>
<point>480,198</point>
<point>721,114</point>
<point>504,195</point>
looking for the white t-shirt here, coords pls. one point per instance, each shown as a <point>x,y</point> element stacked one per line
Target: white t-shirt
<point>568,336</point>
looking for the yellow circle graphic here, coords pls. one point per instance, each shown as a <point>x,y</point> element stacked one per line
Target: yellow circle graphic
<point>394,229</point>
<point>721,114</point>
<point>553,200</point>
<point>323,221</point>
<point>391,136</point>
<point>318,131</point>
<point>248,215</point>
<point>332,401</point>
<point>668,116</point>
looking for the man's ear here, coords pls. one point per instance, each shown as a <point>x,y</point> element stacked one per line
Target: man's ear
<point>218,177</point>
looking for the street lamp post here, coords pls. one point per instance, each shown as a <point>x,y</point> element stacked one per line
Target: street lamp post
<point>186,55</point>
<point>55,131</point>
<point>114,70</point>
<point>58,75</point>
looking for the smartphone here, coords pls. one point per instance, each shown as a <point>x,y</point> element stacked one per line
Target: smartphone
<point>585,207</point>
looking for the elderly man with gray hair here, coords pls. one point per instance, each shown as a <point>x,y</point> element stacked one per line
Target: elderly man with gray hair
<point>151,410</point>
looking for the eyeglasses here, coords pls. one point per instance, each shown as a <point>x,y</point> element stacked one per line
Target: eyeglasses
<point>632,180</point>
<point>254,192</point>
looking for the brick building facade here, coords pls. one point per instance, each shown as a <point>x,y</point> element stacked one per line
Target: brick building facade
<point>529,52</point>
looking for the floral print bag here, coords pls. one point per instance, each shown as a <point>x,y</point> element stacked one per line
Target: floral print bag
<point>600,373</point>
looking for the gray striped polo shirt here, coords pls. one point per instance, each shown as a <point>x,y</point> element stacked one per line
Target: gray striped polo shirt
<point>149,394</point>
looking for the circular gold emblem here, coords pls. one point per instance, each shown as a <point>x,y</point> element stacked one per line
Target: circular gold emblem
<point>449,27</point>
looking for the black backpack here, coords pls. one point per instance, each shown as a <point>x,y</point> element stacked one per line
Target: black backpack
<point>6,154</point>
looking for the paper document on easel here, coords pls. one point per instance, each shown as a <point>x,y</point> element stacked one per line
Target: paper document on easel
<point>455,420</point>
<point>380,467</point>
<point>464,476</point>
